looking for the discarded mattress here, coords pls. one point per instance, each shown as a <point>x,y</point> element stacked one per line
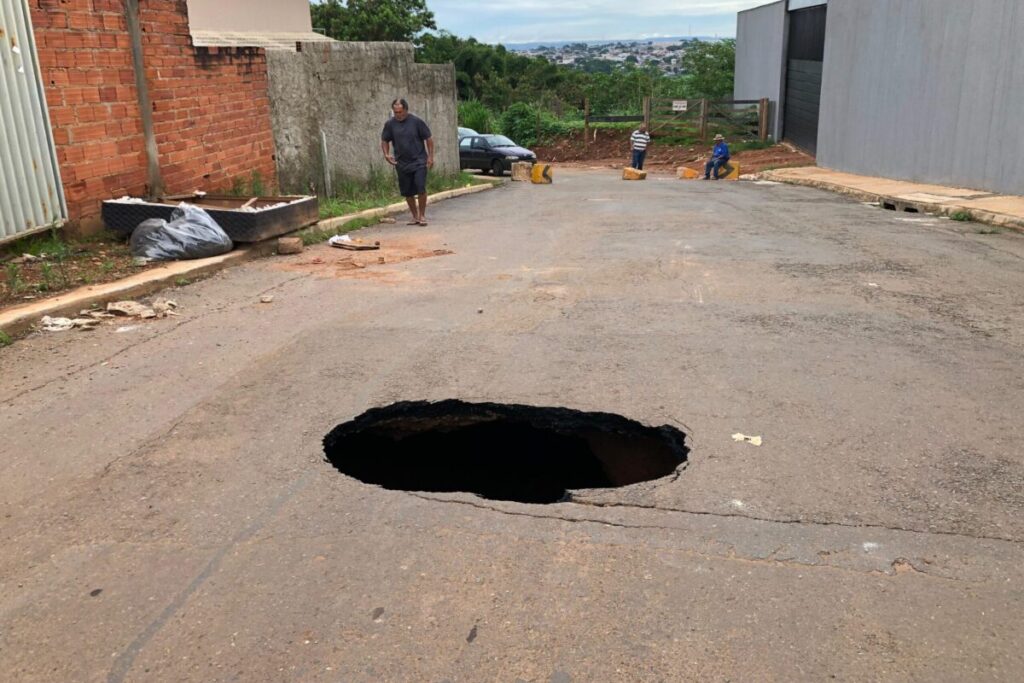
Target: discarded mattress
<point>244,219</point>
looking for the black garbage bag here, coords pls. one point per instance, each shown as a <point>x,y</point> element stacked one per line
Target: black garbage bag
<point>192,233</point>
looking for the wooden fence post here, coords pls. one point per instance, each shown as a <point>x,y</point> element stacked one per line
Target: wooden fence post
<point>704,119</point>
<point>586,122</point>
<point>763,119</point>
<point>647,112</point>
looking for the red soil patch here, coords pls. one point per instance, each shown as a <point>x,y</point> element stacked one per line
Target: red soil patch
<point>611,148</point>
<point>323,260</point>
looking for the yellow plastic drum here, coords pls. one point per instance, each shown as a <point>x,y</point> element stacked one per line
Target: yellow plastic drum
<point>541,174</point>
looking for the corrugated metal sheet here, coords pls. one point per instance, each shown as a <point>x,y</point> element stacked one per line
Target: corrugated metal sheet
<point>31,196</point>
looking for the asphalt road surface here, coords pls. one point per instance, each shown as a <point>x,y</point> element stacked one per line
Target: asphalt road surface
<point>166,512</point>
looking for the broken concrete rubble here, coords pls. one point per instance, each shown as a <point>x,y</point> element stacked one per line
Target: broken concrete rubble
<point>289,245</point>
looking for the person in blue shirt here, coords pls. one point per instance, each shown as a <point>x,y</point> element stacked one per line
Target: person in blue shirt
<point>719,157</point>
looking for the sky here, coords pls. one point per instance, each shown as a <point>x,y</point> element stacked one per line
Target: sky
<point>526,21</point>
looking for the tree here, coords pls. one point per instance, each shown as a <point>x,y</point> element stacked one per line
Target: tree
<point>370,20</point>
<point>710,68</point>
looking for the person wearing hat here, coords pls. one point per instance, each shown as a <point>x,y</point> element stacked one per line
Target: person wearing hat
<point>719,157</point>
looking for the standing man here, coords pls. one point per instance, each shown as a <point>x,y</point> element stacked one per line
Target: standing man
<point>414,154</point>
<point>719,157</point>
<point>638,141</point>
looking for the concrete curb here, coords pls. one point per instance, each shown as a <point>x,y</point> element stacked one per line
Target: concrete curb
<point>399,207</point>
<point>901,204</point>
<point>20,319</point>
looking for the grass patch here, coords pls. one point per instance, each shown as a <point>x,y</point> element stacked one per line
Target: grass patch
<point>961,216</point>
<point>353,196</point>
<point>750,145</point>
<point>5,339</point>
<point>253,186</point>
<point>60,264</point>
<point>989,231</point>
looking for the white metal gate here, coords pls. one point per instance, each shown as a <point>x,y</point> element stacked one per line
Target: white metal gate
<point>31,196</point>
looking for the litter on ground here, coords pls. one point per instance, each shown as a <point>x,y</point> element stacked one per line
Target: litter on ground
<point>740,438</point>
<point>346,242</point>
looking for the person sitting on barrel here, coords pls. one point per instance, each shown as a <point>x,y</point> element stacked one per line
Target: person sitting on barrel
<point>719,157</point>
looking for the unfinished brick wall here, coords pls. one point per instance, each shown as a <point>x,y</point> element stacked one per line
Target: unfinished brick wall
<point>211,111</point>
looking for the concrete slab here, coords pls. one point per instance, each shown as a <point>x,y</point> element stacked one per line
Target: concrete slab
<point>166,512</point>
<point>1000,210</point>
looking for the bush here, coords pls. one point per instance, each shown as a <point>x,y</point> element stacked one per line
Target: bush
<point>473,114</point>
<point>529,126</point>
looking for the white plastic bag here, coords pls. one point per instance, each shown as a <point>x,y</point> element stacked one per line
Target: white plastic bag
<point>192,233</point>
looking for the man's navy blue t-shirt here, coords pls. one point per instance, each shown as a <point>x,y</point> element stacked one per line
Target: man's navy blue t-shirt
<point>408,137</point>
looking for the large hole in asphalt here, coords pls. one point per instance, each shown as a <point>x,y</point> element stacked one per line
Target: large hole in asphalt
<point>501,452</point>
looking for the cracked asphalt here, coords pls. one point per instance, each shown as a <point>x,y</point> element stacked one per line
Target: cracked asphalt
<point>166,513</point>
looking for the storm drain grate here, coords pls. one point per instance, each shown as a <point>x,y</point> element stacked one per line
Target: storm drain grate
<point>501,451</point>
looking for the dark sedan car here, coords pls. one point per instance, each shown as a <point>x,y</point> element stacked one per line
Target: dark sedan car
<point>492,153</point>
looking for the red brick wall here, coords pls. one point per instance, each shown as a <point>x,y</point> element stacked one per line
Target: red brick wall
<point>211,112</point>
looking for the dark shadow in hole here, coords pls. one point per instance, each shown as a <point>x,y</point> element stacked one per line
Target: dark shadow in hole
<point>501,452</point>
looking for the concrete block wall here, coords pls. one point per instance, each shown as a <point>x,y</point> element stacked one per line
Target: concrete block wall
<point>346,90</point>
<point>211,109</point>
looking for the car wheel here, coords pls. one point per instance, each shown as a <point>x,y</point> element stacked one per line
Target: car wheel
<point>498,168</point>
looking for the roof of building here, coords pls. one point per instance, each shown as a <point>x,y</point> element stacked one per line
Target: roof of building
<point>267,40</point>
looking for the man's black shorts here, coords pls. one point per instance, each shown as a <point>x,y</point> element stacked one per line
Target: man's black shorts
<point>413,182</point>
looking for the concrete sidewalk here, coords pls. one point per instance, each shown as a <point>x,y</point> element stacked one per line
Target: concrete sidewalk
<point>984,207</point>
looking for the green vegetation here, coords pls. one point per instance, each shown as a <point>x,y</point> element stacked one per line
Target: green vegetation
<point>473,114</point>
<point>46,272</point>
<point>529,125</point>
<point>711,69</point>
<point>12,277</point>
<point>399,20</point>
<point>353,196</point>
<point>253,186</point>
<point>962,216</point>
<point>318,235</point>
<point>5,339</point>
<point>379,191</point>
<point>498,78</point>
<point>52,262</point>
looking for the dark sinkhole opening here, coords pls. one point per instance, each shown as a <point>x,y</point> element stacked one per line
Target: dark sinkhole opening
<point>501,451</point>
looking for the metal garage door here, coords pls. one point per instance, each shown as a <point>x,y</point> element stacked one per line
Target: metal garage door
<point>31,196</point>
<point>806,55</point>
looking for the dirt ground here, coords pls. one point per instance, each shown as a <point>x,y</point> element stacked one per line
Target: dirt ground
<point>325,261</point>
<point>167,513</point>
<point>611,148</point>
<point>24,279</point>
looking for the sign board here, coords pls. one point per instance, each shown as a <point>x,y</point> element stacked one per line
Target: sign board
<point>679,105</point>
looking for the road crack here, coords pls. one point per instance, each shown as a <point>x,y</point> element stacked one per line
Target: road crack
<point>801,522</point>
<point>769,560</point>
